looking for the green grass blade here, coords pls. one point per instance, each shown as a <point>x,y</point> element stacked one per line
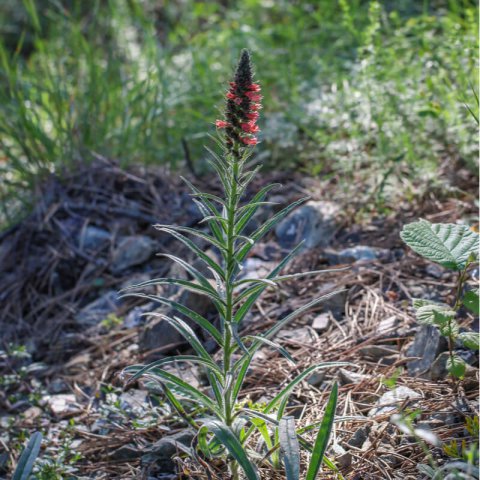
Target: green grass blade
<point>323,435</point>
<point>289,447</point>
<point>28,457</point>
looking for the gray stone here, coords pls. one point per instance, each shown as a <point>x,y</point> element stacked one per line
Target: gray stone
<point>321,322</point>
<point>162,451</point>
<point>389,401</point>
<point>134,400</point>
<point>315,222</point>
<point>359,437</point>
<point>360,253</point>
<point>336,303</point>
<point>137,315</point>
<point>346,377</point>
<point>131,251</point>
<point>62,405</point>
<point>93,313</point>
<point>342,457</point>
<point>125,453</point>
<point>93,238</point>
<point>438,369</point>
<point>427,344</point>
<point>376,352</point>
<point>316,379</point>
<point>434,270</point>
<point>303,336</point>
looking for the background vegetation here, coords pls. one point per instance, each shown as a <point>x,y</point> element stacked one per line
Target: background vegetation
<point>350,85</point>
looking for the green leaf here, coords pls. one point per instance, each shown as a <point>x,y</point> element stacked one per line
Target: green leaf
<point>471,301</point>
<point>266,227</point>
<point>228,438</point>
<point>323,436</point>
<point>185,389</point>
<point>456,366</point>
<point>288,389</point>
<point>274,345</point>
<point>28,457</point>
<point>470,339</point>
<point>194,316</point>
<point>434,314</point>
<point>290,447</point>
<point>421,302</point>
<point>450,245</point>
<point>198,251</point>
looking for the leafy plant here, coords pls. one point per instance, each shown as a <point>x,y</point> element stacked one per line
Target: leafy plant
<point>224,425</point>
<point>454,247</point>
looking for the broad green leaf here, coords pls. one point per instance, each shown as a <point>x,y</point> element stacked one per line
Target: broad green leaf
<point>450,245</point>
<point>323,436</point>
<point>470,339</point>
<point>421,302</point>
<point>28,457</point>
<point>434,315</point>
<point>471,301</point>
<point>228,438</point>
<point>456,366</point>
<point>449,329</point>
<point>289,447</point>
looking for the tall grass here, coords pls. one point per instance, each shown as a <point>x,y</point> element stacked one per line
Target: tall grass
<point>367,85</point>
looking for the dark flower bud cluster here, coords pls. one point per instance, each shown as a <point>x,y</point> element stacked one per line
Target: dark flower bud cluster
<point>243,104</point>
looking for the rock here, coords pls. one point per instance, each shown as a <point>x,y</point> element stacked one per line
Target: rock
<point>136,316</point>
<point>189,374</point>
<point>360,253</point>
<point>389,401</point>
<point>336,303</point>
<point>315,222</point>
<point>303,336</point>
<point>342,457</point>
<point>134,400</point>
<point>434,270</point>
<point>63,405</point>
<point>125,453</point>
<point>93,238</point>
<point>57,385</point>
<point>427,344</point>
<point>387,325</point>
<point>377,352</point>
<point>93,313</point>
<point>31,413</point>
<point>346,377</point>
<point>131,251</point>
<point>316,379</point>
<point>359,437</point>
<point>321,322</point>
<point>438,369</point>
<point>162,451</point>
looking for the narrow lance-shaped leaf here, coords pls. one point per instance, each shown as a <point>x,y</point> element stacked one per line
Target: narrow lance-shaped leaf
<point>28,457</point>
<point>323,436</point>
<point>290,447</point>
<point>228,438</point>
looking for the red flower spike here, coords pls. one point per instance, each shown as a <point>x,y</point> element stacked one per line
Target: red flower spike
<point>249,140</point>
<point>243,101</point>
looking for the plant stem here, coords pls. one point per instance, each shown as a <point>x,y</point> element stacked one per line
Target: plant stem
<point>230,269</point>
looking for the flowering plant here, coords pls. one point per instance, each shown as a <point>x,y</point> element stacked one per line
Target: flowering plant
<point>225,426</point>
